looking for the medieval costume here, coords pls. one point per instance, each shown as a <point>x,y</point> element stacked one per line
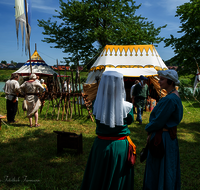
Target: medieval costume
<point>107,167</point>
<point>12,100</point>
<point>140,95</point>
<point>30,90</point>
<point>164,173</point>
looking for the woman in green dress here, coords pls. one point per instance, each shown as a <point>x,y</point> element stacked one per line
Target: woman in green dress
<point>107,167</point>
<point>163,172</point>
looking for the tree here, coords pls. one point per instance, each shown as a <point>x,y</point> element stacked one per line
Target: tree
<point>86,26</point>
<point>4,62</point>
<point>187,47</point>
<point>14,63</point>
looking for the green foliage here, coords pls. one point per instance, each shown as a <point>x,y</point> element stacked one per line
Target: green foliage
<point>187,80</point>
<point>83,79</point>
<point>86,26</point>
<point>187,47</point>
<point>4,62</point>
<point>73,67</point>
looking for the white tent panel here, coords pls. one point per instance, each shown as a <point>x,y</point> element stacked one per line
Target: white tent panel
<point>92,75</point>
<point>38,66</point>
<point>134,72</point>
<point>134,57</point>
<point>130,60</point>
<point>130,72</point>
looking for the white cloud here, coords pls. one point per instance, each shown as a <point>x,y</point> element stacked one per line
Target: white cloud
<point>43,6</point>
<point>173,26</point>
<point>171,5</point>
<point>7,2</point>
<point>147,4</point>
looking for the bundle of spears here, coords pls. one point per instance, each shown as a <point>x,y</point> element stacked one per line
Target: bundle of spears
<point>66,97</point>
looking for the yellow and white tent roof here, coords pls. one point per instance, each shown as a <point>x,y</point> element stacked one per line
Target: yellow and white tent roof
<point>130,60</point>
<point>36,56</point>
<point>38,66</point>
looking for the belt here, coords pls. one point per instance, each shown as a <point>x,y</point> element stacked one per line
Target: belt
<point>32,94</point>
<point>112,138</point>
<point>120,138</point>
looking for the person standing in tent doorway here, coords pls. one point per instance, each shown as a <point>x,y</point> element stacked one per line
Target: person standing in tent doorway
<point>139,96</point>
<point>10,90</point>
<point>131,94</point>
<point>109,166</point>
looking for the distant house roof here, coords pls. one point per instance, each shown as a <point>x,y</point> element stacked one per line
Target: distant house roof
<point>173,67</point>
<point>19,65</point>
<point>3,65</point>
<point>80,68</point>
<point>11,65</point>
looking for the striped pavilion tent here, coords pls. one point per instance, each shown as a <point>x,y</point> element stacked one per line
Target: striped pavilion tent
<point>130,60</point>
<point>39,67</point>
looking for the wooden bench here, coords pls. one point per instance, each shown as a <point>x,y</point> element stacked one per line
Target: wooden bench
<point>2,117</point>
<point>69,140</point>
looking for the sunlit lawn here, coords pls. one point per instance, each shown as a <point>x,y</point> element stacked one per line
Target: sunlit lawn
<point>29,158</point>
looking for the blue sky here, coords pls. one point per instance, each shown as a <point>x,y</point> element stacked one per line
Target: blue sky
<point>160,12</point>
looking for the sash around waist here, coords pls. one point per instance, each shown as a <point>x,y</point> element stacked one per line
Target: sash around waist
<point>112,138</point>
<point>32,94</point>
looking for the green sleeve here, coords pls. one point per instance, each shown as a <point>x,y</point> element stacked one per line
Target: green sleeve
<point>130,117</point>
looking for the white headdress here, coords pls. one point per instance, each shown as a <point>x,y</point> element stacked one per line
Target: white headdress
<point>110,107</point>
<point>170,74</point>
<point>32,76</point>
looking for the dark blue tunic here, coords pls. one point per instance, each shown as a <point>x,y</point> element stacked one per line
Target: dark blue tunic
<point>164,173</point>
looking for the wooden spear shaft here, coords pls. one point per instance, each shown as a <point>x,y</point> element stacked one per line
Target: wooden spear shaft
<point>27,27</point>
<point>73,93</point>
<point>76,83</point>
<point>81,95</point>
<point>65,98</point>
<point>68,99</point>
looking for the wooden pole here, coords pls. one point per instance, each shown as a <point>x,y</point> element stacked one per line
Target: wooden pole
<point>76,83</point>
<point>197,65</point>
<point>47,109</point>
<point>60,101</point>
<point>73,93</point>
<point>81,95</point>
<point>27,27</point>
<point>65,97</point>
<point>68,99</point>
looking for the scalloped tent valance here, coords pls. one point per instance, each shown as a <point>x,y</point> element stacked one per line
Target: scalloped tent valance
<point>130,60</point>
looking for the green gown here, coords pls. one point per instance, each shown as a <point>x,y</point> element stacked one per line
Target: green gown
<point>164,174</point>
<point>106,167</point>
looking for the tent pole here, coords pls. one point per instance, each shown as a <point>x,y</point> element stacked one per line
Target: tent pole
<point>27,27</point>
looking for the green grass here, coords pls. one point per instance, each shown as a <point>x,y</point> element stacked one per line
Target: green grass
<point>32,152</point>
<point>5,74</point>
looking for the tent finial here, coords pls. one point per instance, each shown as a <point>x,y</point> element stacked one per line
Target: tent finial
<point>35,47</point>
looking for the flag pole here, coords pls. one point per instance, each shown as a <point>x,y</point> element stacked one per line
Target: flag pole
<point>28,35</point>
